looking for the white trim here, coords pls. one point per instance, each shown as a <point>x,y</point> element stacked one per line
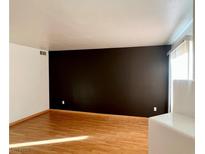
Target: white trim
<point>178,44</point>
<point>169,85</point>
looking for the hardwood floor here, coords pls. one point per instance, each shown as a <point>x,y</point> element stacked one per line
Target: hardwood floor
<point>62,132</point>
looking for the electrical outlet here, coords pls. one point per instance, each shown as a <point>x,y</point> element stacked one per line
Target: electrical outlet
<point>155,108</point>
<point>63,102</point>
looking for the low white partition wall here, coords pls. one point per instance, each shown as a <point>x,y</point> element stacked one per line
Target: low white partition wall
<point>174,133</point>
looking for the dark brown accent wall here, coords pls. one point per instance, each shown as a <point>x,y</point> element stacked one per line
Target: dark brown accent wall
<point>125,81</point>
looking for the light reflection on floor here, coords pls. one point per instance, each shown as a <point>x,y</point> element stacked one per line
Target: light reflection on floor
<point>51,141</point>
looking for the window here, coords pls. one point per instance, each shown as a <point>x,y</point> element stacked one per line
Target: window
<point>181,66</point>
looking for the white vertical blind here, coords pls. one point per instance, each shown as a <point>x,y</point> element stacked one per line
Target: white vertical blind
<point>181,66</point>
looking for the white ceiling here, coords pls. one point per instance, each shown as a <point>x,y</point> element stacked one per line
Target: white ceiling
<point>83,24</point>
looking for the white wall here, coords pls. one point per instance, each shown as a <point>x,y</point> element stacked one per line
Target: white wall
<point>29,82</point>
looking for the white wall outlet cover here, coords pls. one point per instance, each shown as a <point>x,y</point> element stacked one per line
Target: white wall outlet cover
<point>155,108</point>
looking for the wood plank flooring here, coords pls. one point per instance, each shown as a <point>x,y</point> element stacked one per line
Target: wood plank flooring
<point>65,132</point>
